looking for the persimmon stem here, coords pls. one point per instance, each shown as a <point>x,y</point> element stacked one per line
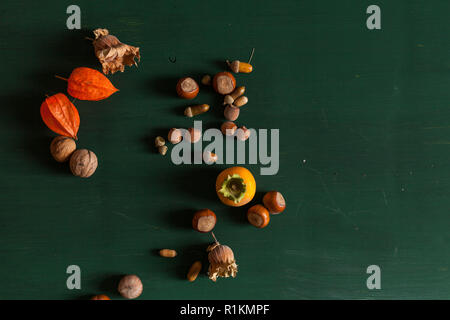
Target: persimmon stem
<point>251,56</point>
<point>61,78</point>
<point>215,239</point>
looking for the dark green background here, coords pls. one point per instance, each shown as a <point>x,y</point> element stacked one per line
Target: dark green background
<point>364,149</point>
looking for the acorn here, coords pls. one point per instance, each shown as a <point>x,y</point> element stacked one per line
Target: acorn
<point>240,67</point>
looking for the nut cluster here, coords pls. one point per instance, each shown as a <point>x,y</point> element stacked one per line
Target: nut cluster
<point>82,162</point>
<point>259,215</point>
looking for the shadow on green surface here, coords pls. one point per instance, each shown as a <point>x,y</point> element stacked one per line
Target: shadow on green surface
<point>188,255</point>
<point>108,285</point>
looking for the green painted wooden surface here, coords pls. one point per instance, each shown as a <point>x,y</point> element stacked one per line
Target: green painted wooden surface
<point>368,111</point>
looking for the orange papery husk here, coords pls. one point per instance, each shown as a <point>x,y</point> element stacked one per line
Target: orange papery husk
<point>113,54</point>
<point>60,115</point>
<point>89,84</point>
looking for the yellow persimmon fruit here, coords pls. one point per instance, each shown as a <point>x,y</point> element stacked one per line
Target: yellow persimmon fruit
<point>235,186</point>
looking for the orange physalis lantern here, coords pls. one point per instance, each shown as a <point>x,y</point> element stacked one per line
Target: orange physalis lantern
<point>60,115</point>
<point>89,84</point>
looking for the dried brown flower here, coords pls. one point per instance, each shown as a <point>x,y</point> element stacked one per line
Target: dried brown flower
<point>222,262</point>
<point>113,54</point>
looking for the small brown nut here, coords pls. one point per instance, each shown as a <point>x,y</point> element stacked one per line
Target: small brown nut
<point>175,136</point>
<point>167,253</point>
<point>206,80</point>
<point>62,148</point>
<point>274,202</point>
<point>196,110</point>
<point>243,133</point>
<point>228,128</point>
<point>239,102</point>
<point>162,150</point>
<point>224,82</point>
<point>204,220</point>
<point>187,88</point>
<point>130,286</point>
<point>258,216</point>
<point>159,141</point>
<point>193,135</point>
<point>209,157</point>
<point>83,163</point>
<point>194,270</point>
<point>234,66</point>
<point>231,113</point>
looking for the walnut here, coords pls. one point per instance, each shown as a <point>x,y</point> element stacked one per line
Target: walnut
<point>130,286</point>
<point>62,148</point>
<point>113,54</point>
<point>83,163</point>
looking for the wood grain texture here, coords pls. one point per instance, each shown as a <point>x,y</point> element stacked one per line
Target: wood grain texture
<point>363,118</point>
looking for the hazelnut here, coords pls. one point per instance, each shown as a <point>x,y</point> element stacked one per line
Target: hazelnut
<point>210,157</point>
<point>231,113</point>
<point>62,148</point>
<point>224,82</point>
<point>204,220</point>
<point>83,163</point>
<point>175,136</point>
<point>193,135</point>
<point>130,287</point>
<point>274,202</point>
<point>228,128</point>
<point>258,216</point>
<point>187,88</point>
<point>243,133</point>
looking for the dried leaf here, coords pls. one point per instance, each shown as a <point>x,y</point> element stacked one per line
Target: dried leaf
<point>60,115</point>
<point>113,54</point>
<point>89,84</point>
